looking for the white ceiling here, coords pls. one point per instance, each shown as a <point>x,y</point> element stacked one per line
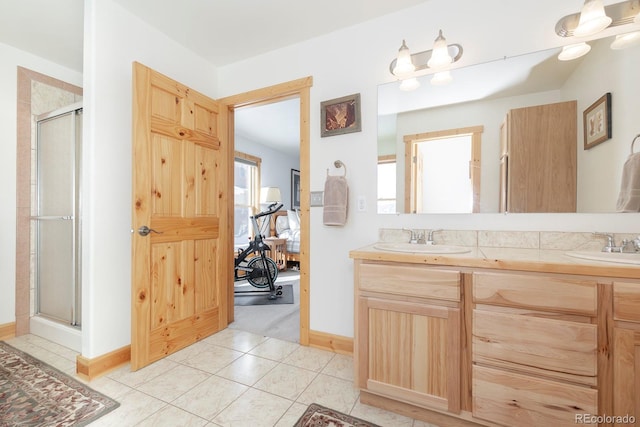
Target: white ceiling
<point>221,31</point>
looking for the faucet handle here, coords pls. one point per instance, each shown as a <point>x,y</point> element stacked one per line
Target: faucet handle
<point>610,242</point>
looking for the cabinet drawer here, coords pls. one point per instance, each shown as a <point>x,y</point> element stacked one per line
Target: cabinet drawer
<point>557,349</point>
<point>512,399</point>
<point>626,301</point>
<point>410,280</point>
<point>537,292</point>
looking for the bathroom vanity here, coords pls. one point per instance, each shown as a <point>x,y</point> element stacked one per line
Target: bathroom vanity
<point>505,337</point>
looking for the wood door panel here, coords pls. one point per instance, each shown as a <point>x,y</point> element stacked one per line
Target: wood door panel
<point>626,301</point>
<point>626,373</point>
<point>558,348</point>
<point>181,191</point>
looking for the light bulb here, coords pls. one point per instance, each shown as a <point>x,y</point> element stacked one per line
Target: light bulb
<point>574,51</point>
<point>408,85</point>
<point>440,55</point>
<point>404,64</point>
<point>593,19</point>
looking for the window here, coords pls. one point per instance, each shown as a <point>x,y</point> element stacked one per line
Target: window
<point>387,184</point>
<point>246,194</point>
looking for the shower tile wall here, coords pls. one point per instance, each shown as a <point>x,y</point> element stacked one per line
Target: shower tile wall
<point>37,94</point>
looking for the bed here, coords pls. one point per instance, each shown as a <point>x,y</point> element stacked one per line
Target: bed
<point>286,225</point>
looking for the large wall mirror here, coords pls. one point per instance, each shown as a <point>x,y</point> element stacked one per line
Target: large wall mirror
<point>439,147</point>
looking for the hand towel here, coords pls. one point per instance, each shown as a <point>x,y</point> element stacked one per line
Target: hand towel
<point>336,192</point>
<point>629,197</point>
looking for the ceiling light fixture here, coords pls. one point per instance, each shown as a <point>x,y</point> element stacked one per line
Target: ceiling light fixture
<point>593,19</point>
<point>440,57</point>
<point>623,13</point>
<point>574,51</point>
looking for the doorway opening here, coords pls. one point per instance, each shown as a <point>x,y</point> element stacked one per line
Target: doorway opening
<point>298,91</point>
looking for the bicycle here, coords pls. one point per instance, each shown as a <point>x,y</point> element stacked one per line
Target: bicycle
<point>260,270</point>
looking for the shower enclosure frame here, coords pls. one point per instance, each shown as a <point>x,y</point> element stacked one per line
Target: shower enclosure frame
<point>74,110</point>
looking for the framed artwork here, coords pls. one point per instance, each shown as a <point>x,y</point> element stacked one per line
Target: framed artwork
<point>597,122</point>
<point>295,189</point>
<point>341,115</point>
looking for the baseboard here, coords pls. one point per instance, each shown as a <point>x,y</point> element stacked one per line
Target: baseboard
<point>7,331</point>
<point>90,369</point>
<point>334,343</point>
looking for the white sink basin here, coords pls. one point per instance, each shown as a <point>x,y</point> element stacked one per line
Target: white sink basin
<point>616,257</point>
<point>421,248</point>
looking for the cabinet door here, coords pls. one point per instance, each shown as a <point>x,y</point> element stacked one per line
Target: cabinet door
<point>410,352</point>
<point>626,373</point>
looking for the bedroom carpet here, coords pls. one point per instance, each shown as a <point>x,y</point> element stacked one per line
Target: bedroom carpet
<point>280,321</point>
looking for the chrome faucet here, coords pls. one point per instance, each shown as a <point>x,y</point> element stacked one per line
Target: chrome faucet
<point>610,246</point>
<point>631,246</point>
<point>429,240</point>
<point>416,235</point>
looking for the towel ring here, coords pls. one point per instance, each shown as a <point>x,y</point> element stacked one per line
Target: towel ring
<point>632,142</point>
<point>339,164</point>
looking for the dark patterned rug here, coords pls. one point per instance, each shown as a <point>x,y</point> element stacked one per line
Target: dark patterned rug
<point>321,416</point>
<point>33,393</point>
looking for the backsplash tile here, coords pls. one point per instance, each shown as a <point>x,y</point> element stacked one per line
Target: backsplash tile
<point>509,239</point>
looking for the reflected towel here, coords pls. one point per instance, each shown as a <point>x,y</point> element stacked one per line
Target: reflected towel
<point>629,198</point>
<point>336,194</point>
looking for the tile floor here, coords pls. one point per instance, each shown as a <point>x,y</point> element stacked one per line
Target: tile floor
<point>233,378</point>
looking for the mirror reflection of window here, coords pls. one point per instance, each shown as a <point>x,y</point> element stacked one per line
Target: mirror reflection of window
<point>442,175</point>
<point>387,184</point>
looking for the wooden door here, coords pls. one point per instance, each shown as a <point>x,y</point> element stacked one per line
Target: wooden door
<point>180,178</point>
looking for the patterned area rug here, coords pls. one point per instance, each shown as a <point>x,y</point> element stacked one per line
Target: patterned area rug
<point>321,416</point>
<point>33,393</point>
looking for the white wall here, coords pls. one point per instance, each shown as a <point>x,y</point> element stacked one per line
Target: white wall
<point>356,60</point>
<point>11,59</point>
<point>113,40</point>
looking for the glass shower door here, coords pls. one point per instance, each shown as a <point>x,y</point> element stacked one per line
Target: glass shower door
<point>56,226</point>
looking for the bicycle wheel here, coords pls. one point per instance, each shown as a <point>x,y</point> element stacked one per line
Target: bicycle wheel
<point>261,281</point>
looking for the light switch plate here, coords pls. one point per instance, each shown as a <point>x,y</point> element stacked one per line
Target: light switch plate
<point>317,198</point>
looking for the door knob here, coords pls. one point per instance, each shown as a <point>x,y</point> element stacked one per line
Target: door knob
<point>144,231</point>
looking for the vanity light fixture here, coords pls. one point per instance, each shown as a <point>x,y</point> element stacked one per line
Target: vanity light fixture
<point>593,19</point>
<point>441,78</point>
<point>624,41</point>
<point>406,65</point>
<point>574,51</point>
<point>583,24</point>
<point>409,84</point>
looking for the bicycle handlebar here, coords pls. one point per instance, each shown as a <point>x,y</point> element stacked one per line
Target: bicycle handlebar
<point>273,208</point>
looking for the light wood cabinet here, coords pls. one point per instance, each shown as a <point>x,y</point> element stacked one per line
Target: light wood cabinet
<point>538,159</point>
<point>626,350</point>
<point>408,334</point>
<point>535,343</point>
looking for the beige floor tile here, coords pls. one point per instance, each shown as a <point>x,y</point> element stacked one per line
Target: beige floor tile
<point>109,387</point>
<point>286,381</point>
<point>213,358</point>
<point>331,392</point>
<point>137,378</point>
<point>274,349</point>
<point>292,415</point>
<point>170,416</point>
<point>210,397</point>
<point>170,385</point>
<point>235,339</point>
<point>309,358</point>
<point>380,416</point>
<point>340,366</point>
<point>134,407</point>
<point>418,423</point>
<point>255,408</point>
<point>247,369</point>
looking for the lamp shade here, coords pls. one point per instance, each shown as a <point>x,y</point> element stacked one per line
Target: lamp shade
<point>574,51</point>
<point>404,64</point>
<point>270,195</point>
<point>409,84</point>
<point>440,55</point>
<point>623,41</point>
<point>593,19</point>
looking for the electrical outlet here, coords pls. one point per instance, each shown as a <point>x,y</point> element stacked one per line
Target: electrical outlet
<point>362,204</point>
<point>317,198</point>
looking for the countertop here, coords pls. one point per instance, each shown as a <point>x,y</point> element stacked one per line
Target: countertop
<point>529,260</point>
